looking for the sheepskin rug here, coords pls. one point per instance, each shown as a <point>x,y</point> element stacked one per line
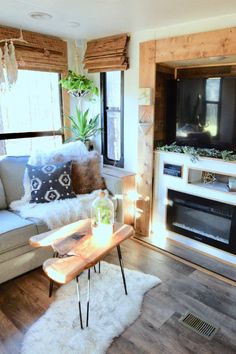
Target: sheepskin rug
<point>111,311</point>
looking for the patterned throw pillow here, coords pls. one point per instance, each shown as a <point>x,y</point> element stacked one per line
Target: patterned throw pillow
<point>50,182</point>
<point>86,175</point>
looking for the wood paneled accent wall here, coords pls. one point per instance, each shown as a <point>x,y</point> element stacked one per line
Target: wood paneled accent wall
<point>195,50</point>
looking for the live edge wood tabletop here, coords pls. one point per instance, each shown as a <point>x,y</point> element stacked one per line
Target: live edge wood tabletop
<point>76,255</point>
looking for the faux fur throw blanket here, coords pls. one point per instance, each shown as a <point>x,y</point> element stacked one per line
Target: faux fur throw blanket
<point>61,212</point>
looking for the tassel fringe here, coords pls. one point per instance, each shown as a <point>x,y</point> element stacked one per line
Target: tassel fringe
<point>8,66</point>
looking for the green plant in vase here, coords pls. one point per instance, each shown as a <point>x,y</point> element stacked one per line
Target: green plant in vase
<point>102,216</point>
<point>82,127</point>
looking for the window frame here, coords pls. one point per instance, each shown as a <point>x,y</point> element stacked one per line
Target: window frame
<point>216,103</point>
<point>103,87</point>
<point>36,134</point>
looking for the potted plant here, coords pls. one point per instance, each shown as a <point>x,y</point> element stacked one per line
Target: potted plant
<point>102,216</point>
<point>78,85</point>
<point>82,127</point>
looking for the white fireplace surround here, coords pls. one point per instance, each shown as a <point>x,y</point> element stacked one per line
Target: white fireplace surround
<point>190,183</point>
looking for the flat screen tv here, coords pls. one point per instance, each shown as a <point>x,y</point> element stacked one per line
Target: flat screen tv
<point>201,112</point>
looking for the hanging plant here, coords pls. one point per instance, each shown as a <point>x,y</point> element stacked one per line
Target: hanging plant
<point>78,85</point>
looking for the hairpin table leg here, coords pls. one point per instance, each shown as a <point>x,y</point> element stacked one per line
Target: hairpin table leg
<point>122,269</point>
<point>55,254</point>
<point>99,267</point>
<point>79,303</point>
<point>88,298</point>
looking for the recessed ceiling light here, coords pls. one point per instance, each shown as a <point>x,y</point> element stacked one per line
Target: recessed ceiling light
<point>73,24</point>
<point>40,15</point>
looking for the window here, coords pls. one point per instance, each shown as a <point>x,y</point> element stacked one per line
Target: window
<point>112,94</point>
<point>30,114</point>
<point>212,105</point>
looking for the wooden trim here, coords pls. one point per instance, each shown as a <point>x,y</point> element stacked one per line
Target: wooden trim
<point>128,184</point>
<point>65,108</point>
<point>198,45</point>
<point>147,78</point>
<point>207,71</point>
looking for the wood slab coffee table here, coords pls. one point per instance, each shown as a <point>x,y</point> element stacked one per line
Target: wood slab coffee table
<point>77,250</point>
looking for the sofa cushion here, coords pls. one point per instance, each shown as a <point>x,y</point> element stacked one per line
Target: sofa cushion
<point>14,231</point>
<point>86,174</point>
<point>50,182</point>
<point>13,253</point>
<point>12,170</point>
<point>3,203</point>
<point>23,263</point>
<point>41,226</point>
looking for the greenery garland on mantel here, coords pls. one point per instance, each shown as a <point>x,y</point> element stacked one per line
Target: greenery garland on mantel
<point>195,153</point>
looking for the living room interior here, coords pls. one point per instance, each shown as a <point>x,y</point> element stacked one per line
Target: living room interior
<point>117,177</point>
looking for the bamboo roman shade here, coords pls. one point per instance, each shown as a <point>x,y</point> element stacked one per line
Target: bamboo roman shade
<point>41,52</point>
<point>107,54</point>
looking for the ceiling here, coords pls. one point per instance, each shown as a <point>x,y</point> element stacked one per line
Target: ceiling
<point>105,17</point>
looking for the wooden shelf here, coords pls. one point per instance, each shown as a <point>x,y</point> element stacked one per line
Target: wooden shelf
<point>222,187</point>
<point>221,183</point>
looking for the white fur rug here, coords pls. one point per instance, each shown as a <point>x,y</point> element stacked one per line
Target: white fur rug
<point>61,212</point>
<point>111,311</point>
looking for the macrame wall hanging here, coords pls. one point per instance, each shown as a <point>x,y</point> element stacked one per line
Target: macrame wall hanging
<point>8,62</point>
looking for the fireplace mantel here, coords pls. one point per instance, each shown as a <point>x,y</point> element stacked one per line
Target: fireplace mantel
<point>177,172</point>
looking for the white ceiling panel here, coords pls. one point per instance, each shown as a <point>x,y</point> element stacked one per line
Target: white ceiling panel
<point>105,17</point>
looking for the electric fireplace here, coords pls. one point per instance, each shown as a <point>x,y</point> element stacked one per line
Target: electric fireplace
<point>202,219</point>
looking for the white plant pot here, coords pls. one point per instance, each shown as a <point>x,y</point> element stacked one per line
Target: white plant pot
<point>102,230</point>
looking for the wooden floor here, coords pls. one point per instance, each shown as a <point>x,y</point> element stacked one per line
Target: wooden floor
<point>24,299</point>
<point>211,263</point>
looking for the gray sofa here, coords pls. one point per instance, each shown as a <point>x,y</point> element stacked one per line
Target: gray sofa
<point>16,255</point>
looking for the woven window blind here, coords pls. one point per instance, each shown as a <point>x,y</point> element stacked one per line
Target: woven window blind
<point>41,52</point>
<point>107,54</point>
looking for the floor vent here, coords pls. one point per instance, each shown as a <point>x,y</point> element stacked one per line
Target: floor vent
<point>198,325</point>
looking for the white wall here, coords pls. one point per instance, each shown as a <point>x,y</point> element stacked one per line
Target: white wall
<point>132,75</point>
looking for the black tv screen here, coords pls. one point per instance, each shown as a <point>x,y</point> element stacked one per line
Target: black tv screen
<point>201,112</point>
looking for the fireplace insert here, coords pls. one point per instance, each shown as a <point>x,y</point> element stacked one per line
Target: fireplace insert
<point>202,219</point>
